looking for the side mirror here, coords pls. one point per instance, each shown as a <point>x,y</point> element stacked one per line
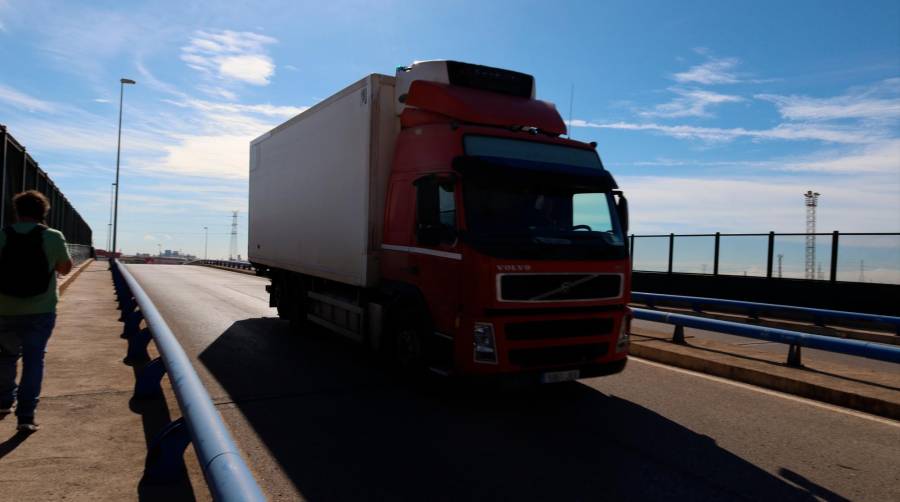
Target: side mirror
<point>622,209</point>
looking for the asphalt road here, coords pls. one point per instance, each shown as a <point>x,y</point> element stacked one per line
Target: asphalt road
<point>319,419</point>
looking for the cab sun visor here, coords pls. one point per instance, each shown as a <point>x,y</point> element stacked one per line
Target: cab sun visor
<point>516,169</point>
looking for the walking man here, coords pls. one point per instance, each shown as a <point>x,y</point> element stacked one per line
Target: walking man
<point>30,256</point>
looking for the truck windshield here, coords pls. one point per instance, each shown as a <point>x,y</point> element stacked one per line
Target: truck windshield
<point>541,219</point>
<point>489,146</point>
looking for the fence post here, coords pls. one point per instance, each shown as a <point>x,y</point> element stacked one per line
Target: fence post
<point>771,255</point>
<point>834,255</point>
<point>716,256</point>
<point>671,250</point>
<point>631,249</point>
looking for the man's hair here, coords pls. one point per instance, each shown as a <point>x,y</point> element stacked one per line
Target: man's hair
<point>31,204</point>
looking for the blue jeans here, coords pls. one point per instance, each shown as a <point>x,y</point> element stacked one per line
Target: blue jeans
<point>24,336</point>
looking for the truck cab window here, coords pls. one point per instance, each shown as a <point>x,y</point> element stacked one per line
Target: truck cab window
<point>447,205</point>
<point>435,211</point>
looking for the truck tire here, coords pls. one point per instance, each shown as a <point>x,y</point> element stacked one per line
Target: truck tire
<point>405,330</point>
<point>290,302</point>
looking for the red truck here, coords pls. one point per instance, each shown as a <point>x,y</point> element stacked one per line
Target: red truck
<point>440,217</point>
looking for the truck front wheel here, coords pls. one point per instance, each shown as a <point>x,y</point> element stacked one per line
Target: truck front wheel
<point>407,341</point>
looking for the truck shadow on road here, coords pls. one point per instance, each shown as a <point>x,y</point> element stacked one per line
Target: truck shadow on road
<point>341,428</point>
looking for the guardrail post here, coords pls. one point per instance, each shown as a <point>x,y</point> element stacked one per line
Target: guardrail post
<point>671,250</point>
<point>165,458</point>
<point>794,359</point>
<point>716,255</point>
<point>834,255</point>
<point>148,384</point>
<point>127,305</point>
<point>132,324</point>
<point>678,335</point>
<point>137,348</point>
<point>771,255</point>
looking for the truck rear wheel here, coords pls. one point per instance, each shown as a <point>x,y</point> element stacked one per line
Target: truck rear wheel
<point>290,301</point>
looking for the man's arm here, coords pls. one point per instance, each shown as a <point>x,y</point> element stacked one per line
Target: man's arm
<point>64,267</point>
<point>58,253</point>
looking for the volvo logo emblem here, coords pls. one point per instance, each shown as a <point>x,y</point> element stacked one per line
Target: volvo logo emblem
<point>565,287</point>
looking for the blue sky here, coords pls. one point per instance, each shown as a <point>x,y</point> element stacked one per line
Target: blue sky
<point>713,116</point>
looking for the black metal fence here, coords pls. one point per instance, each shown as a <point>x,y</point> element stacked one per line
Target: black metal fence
<point>19,172</point>
<point>849,257</point>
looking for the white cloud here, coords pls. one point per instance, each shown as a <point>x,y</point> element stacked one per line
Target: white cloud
<point>237,108</point>
<point>102,100</point>
<point>220,147</point>
<point>883,157</point>
<point>792,132</point>
<point>23,101</point>
<point>231,56</point>
<point>218,92</point>
<point>881,101</point>
<point>713,71</point>
<point>691,103</point>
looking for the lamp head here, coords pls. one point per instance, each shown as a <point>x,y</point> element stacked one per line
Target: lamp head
<point>127,81</point>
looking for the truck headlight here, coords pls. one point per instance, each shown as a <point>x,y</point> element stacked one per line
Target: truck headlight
<point>624,337</point>
<point>485,346</point>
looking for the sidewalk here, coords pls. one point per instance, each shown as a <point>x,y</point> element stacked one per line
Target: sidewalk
<point>91,446</point>
<point>871,387</point>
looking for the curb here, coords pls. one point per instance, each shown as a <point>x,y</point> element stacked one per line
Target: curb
<point>771,381</point>
<point>64,284</point>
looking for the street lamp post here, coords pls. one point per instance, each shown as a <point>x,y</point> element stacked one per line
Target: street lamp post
<point>205,242</point>
<point>122,83</point>
<point>109,225</point>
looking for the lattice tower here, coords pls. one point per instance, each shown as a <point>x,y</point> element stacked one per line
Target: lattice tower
<point>232,250</point>
<point>812,201</point>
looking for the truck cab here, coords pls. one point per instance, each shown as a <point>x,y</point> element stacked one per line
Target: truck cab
<point>511,236</point>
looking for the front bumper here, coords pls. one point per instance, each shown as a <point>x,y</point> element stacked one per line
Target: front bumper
<point>533,378</point>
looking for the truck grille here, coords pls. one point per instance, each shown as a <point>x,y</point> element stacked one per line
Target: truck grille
<point>566,328</point>
<point>559,287</point>
<point>549,356</point>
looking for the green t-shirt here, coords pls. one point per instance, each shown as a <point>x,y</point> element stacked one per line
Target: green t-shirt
<point>44,303</point>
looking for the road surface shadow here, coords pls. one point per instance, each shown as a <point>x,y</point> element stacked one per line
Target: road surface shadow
<point>343,429</point>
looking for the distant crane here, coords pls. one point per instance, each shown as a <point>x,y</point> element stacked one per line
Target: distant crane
<point>780,257</point>
<point>232,250</point>
<point>812,201</point>
<point>862,270</point>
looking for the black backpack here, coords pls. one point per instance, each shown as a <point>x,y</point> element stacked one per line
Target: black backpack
<point>24,268</point>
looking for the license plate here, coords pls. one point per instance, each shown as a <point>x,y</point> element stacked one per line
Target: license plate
<point>560,376</point>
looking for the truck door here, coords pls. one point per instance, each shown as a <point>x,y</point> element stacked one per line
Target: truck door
<point>437,258</point>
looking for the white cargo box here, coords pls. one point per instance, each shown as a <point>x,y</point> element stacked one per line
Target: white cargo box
<point>318,184</point>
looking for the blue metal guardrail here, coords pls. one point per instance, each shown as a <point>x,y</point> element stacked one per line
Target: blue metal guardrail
<point>226,474</point>
<point>819,316</point>
<point>794,339</point>
<point>240,265</point>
